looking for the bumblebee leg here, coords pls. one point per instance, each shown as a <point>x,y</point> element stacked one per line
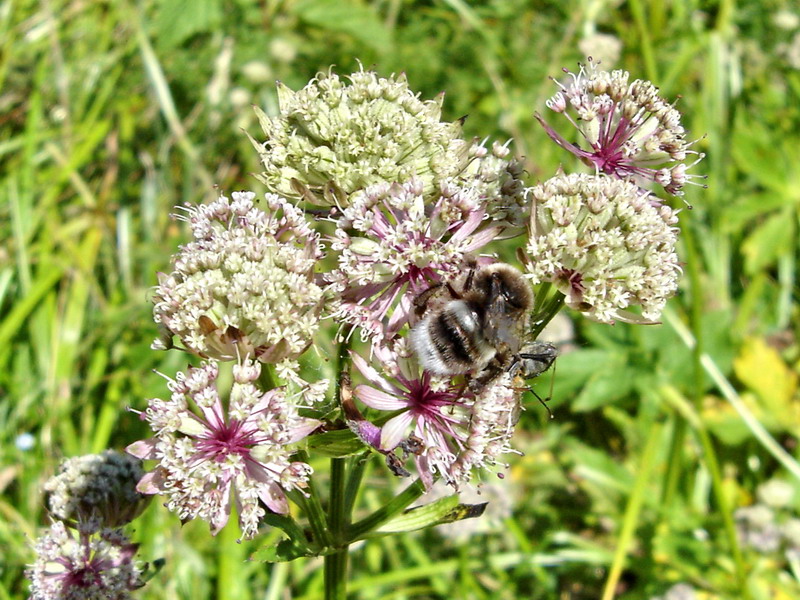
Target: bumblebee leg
<point>488,374</point>
<point>421,301</point>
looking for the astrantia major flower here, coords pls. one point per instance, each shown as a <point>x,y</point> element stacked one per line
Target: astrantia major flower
<point>88,564</point>
<point>628,130</point>
<point>100,486</point>
<point>493,415</point>
<point>338,136</point>
<point>245,284</point>
<point>395,244</point>
<point>212,453</point>
<point>454,431</point>
<point>604,245</point>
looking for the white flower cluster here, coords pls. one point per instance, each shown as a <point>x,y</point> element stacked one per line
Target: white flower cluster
<point>350,135</point>
<point>85,565</point>
<point>604,245</point>
<point>245,285</point>
<point>212,453</point>
<point>493,416</point>
<point>629,130</point>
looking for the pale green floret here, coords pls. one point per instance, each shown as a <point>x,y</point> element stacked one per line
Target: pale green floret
<point>354,134</point>
<point>604,246</point>
<point>335,137</point>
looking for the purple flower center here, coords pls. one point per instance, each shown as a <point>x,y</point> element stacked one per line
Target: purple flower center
<point>227,439</point>
<point>575,281</point>
<point>426,404</point>
<point>83,577</point>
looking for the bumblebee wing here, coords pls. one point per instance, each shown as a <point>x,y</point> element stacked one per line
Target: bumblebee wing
<point>502,326</point>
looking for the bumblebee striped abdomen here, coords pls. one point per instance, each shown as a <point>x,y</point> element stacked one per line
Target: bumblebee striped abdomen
<point>451,341</point>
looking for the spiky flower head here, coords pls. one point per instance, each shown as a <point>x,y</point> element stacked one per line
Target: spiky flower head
<point>88,564</point>
<point>212,453</point>
<point>628,130</point>
<point>604,245</point>
<point>394,244</point>
<point>101,486</point>
<point>453,430</point>
<point>335,136</point>
<point>245,284</point>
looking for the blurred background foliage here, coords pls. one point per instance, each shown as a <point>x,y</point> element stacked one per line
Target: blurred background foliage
<point>111,113</point>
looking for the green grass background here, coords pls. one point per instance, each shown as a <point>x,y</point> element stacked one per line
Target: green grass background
<point>111,113</point>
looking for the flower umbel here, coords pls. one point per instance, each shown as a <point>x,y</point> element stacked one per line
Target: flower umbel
<point>631,132</point>
<point>101,486</point>
<point>245,285</point>
<point>394,244</point>
<point>604,245</point>
<point>211,454</point>
<point>335,136</point>
<point>453,430</point>
<point>83,565</point>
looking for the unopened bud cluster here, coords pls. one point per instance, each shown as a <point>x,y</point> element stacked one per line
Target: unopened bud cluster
<point>101,486</point>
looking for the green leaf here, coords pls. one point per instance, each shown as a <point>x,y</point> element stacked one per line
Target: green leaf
<point>283,551</point>
<point>288,549</point>
<point>575,368</point>
<point>336,444</point>
<point>750,207</point>
<point>606,386</point>
<point>178,20</point>
<point>771,239</point>
<point>346,16</point>
<point>444,510</point>
<point>724,422</point>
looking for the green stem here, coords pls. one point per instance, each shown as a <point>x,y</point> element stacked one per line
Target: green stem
<point>633,510</point>
<point>549,309</point>
<point>341,502</point>
<point>336,575</point>
<point>383,514</point>
<point>312,507</point>
<point>675,464</point>
<point>358,464</point>
<point>338,518</point>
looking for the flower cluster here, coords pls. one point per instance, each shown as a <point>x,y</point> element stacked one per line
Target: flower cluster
<point>496,178</point>
<point>245,284</point>
<point>629,130</point>
<point>97,486</point>
<point>451,429</point>
<point>211,453</point>
<point>604,245</point>
<point>334,134</point>
<point>393,244</point>
<point>333,138</point>
<point>407,204</point>
<point>770,524</point>
<point>85,554</point>
<point>92,563</point>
